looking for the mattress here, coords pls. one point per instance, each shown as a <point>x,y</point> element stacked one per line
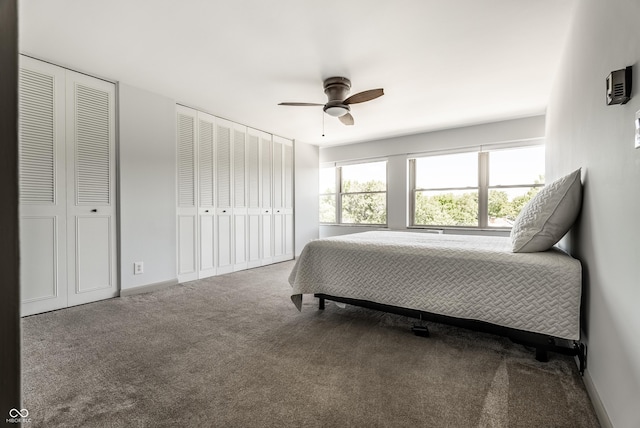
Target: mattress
<point>470,277</point>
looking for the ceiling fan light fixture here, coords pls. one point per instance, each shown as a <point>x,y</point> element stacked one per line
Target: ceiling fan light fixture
<point>336,111</point>
<point>338,104</point>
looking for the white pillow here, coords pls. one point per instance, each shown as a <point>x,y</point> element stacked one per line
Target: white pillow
<point>548,215</point>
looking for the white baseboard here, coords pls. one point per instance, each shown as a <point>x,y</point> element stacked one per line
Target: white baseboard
<point>148,288</point>
<point>603,417</point>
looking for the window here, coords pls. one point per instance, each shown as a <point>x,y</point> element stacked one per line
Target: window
<point>328,195</point>
<point>446,192</point>
<point>515,176</point>
<point>475,189</point>
<point>354,194</point>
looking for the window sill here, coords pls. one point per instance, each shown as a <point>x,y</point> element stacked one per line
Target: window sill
<point>494,231</point>
<point>377,226</point>
<point>327,229</point>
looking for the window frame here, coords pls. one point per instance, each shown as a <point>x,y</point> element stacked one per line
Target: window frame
<point>483,187</point>
<point>339,193</point>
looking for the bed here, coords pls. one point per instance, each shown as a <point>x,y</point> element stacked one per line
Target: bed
<point>521,286</point>
<point>474,281</point>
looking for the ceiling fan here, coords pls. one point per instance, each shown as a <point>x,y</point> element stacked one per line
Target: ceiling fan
<point>338,105</point>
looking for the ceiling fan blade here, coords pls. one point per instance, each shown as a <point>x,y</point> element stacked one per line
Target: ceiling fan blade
<point>361,97</point>
<point>300,104</point>
<point>347,119</point>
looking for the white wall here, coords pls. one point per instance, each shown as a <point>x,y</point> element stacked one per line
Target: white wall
<point>396,150</point>
<point>468,136</point>
<point>147,187</point>
<point>307,203</point>
<point>582,131</point>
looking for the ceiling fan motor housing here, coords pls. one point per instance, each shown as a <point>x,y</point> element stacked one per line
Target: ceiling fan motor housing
<point>336,89</point>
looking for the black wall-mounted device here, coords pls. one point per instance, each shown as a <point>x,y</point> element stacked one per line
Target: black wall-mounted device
<point>619,86</point>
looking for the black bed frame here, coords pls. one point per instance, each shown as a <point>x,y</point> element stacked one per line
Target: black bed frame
<point>542,343</point>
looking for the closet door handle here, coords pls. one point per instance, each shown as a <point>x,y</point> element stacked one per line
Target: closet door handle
<point>224,211</point>
<point>94,210</point>
<point>206,211</point>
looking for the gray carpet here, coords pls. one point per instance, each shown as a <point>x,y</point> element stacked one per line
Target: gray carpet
<point>232,351</point>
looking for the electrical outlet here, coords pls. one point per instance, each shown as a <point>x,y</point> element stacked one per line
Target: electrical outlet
<point>138,268</point>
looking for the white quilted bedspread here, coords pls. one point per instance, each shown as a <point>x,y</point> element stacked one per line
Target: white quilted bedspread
<point>471,277</point>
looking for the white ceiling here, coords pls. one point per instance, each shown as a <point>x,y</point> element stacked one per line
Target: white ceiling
<point>442,63</point>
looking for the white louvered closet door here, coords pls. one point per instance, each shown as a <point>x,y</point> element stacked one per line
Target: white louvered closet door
<point>67,188</point>
<point>288,199</point>
<point>278,200</point>
<point>224,214</point>
<point>229,178</point>
<point>282,199</point>
<point>206,195</point>
<point>240,219</point>
<point>187,211</point>
<point>266,198</point>
<point>43,203</point>
<point>91,198</point>
<point>254,209</point>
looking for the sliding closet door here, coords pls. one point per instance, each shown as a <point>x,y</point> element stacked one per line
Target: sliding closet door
<point>91,198</point>
<point>43,202</point>
<point>187,213</point>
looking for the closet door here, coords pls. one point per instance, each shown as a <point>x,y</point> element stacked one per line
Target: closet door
<point>187,227</point>
<point>91,198</point>
<point>266,199</point>
<point>43,202</point>
<point>224,217</point>
<point>240,219</point>
<point>230,178</point>
<point>254,210</point>
<point>282,199</point>
<point>288,199</point>
<point>67,187</point>
<point>206,194</point>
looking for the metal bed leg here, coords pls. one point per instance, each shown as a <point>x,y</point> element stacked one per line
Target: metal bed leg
<point>541,355</point>
<point>581,352</point>
<point>321,303</point>
<point>420,329</point>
